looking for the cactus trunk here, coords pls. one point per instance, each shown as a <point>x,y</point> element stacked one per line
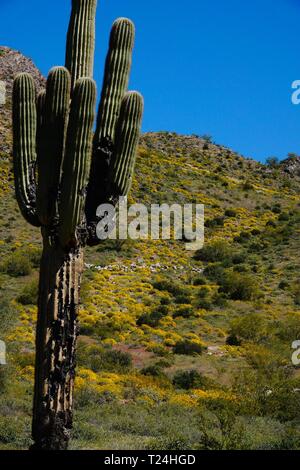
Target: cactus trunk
<point>62,174</point>
<point>57,330</point>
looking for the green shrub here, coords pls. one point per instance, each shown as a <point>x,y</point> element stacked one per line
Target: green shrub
<point>243,237</point>
<point>8,315</point>
<point>34,255</point>
<point>220,252</point>
<point>233,340</point>
<point>230,213</point>
<point>29,294</point>
<point>239,286</point>
<point>271,223</point>
<point>283,284</point>
<point>216,222</point>
<point>247,186</point>
<point>273,162</point>
<point>199,281</point>
<point>16,264</point>
<point>14,431</point>
<point>98,358</point>
<point>218,300</point>
<point>153,318</point>
<point>173,288</point>
<point>289,329</point>
<point>185,311</point>
<point>215,251</point>
<point>283,217</point>
<point>182,299</point>
<point>187,347</point>
<point>250,327</point>
<point>154,370</point>
<point>189,379</point>
<point>117,360</point>
<point>214,272</point>
<point>203,298</point>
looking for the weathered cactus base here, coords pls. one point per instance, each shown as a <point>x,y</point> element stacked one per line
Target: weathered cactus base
<point>58,435</point>
<point>57,331</point>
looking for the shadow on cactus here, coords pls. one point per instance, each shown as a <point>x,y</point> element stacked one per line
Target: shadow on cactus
<point>63,172</point>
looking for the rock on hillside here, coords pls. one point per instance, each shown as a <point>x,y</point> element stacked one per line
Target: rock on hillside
<point>11,63</point>
<point>291,165</point>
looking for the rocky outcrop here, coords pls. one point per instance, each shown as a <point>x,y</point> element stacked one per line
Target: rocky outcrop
<point>11,63</point>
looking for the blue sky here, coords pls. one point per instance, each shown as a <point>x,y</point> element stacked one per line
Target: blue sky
<point>218,67</point>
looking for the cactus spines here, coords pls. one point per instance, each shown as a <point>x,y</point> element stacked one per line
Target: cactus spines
<point>24,128</point>
<point>40,107</point>
<point>116,78</point>
<point>76,164</point>
<point>115,83</point>
<point>127,138</point>
<point>53,111</point>
<point>62,174</point>
<point>81,39</point>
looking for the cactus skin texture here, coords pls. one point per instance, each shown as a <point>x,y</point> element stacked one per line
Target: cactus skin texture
<point>62,174</point>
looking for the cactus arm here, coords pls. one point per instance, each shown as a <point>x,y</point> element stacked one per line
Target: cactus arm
<point>115,83</point>
<point>127,138</point>
<point>40,109</point>
<point>51,131</point>
<point>24,151</point>
<point>116,78</point>
<point>81,39</point>
<point>77,161</point>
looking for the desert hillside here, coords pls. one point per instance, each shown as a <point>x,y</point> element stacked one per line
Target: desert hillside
<point>178,349</point>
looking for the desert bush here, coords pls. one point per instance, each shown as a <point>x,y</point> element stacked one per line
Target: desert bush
<point>173,288</point>
<point>243,237</point>
<point>239,286</point>
<point>188,347</point>
<point>199,281</point>
<point>283,284</point>
<point>214,272</point>
<point>185,311</point>
<point>230,213</point>
<point>169,443</point>
<point>15,265</point>
<point>182,299</point>
<point>203,298</point>
<point>283,217</point>
<point>215,222</point>
<point>29,294</point>
<point>153,318</point>
<point>233,340</point>
<point>99,358</point>
<point>215,251</point>
<point>272,162</point>
<point>250,327</point>
<point>247,186</point>
<point>289,329</point>
<point>189,379</point>
<point>33,254</point>
<point>220,426</point>
<point>296,294</point>
<point>8,315</point>
<point>154,370</point>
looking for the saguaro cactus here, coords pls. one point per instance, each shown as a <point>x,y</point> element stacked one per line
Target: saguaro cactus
<point>62,173</point>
